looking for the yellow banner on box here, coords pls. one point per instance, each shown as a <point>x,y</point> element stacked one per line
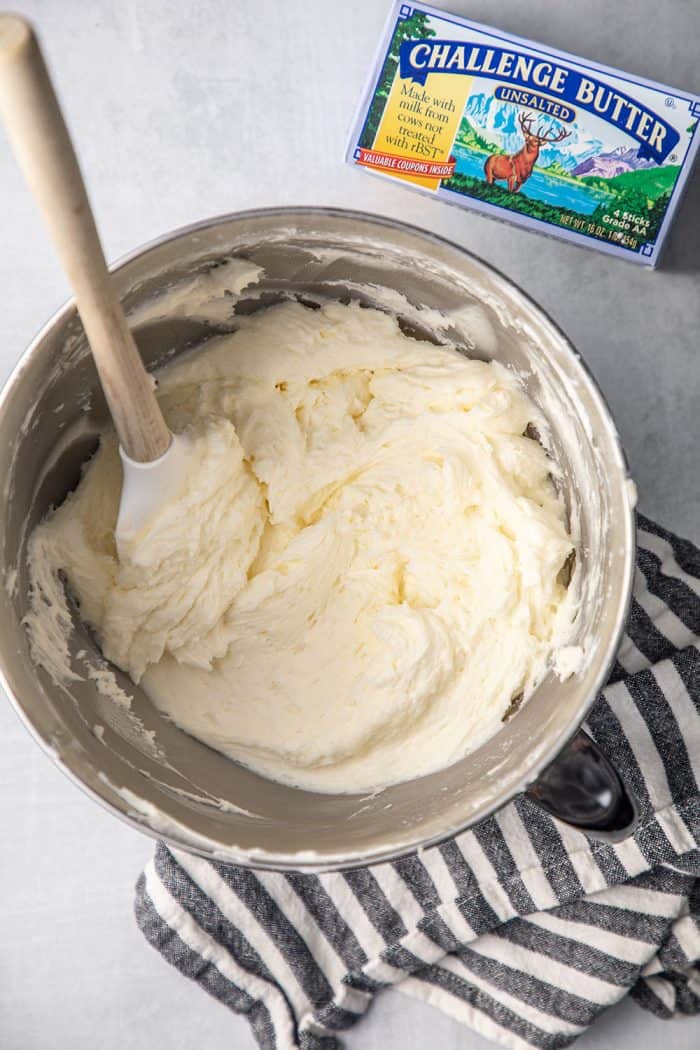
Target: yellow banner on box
<point>421,123</point>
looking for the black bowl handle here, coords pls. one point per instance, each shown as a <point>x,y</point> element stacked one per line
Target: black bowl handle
<point>581,788</point>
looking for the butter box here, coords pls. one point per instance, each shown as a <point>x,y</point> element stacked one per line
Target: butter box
<point>526,133</point>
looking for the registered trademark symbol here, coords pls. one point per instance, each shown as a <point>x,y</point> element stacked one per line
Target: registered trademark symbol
<point>671,103</point>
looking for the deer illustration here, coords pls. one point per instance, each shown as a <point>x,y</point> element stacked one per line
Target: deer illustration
<point>516,168</point>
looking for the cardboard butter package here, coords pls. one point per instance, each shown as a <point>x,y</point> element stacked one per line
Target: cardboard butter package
<point>524,132</point>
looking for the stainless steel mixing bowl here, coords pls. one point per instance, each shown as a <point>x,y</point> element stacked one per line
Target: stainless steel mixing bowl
<point>171,790</point>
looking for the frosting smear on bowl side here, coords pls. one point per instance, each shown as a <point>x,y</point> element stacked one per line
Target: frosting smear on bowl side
<point>363,568</point>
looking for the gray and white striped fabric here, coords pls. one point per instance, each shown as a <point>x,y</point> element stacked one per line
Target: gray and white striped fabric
<point>521,927</point>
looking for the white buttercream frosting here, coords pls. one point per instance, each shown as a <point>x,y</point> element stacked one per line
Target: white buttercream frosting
<point>362,569</point>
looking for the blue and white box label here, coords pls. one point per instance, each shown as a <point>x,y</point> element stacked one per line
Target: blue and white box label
<point>526,133</point>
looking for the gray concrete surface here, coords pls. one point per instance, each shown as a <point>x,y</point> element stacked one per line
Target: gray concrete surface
<point>184,110</point>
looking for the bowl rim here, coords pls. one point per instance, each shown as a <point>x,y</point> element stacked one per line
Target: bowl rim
<point>306,861</point>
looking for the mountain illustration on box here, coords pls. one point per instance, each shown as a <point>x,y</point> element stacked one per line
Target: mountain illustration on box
<point>496,123</point>
<point>617,161</point>
<point>571,171</point>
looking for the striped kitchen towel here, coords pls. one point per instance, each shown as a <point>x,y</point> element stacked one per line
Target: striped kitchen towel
<point>521,927</point>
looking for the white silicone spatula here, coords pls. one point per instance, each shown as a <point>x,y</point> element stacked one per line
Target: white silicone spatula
<point>36,128</point>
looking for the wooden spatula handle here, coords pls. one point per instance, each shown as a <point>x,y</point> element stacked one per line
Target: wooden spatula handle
<point>41,142</point>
